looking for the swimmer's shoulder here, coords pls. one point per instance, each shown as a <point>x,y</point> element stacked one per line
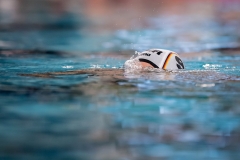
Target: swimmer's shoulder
<point>90,71</point>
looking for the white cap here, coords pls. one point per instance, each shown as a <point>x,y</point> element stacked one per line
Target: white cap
<point>161,58</point>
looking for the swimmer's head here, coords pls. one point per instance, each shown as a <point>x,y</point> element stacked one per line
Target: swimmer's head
<point>160,58</point>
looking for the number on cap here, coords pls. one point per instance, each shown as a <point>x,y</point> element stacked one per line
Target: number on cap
<point>158,52</point>
<point>180,63</point>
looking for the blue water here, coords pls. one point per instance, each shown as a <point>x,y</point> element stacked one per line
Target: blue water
<point>191,114</point>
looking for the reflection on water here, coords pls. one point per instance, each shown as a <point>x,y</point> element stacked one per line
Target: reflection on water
<point>151,115</point>
<point>48,110</point>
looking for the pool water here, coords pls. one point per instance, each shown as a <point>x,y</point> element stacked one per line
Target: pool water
<point>189,114</point>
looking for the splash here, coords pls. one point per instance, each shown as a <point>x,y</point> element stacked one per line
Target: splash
<point>134,66</point>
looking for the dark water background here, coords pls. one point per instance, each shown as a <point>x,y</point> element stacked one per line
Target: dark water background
<point>191,115</point>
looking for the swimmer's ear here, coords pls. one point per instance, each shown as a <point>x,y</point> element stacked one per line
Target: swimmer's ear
<point>173,62</point>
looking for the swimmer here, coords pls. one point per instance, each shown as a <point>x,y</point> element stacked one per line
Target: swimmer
<point>153,58</point>
<point>156,58</point>
<point>153,64</point>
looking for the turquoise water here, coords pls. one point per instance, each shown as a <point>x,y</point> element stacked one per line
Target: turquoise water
<point>190,114</point>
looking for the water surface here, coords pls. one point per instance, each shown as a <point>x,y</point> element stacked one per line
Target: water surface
<point>189,114</point>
